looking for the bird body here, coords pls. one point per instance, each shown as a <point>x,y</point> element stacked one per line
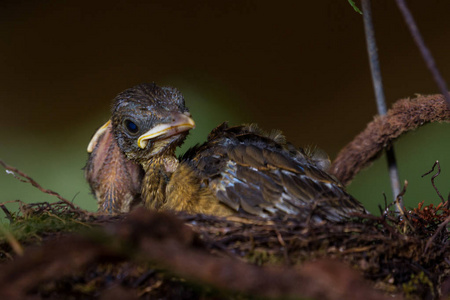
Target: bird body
<point>238,170</point>
<point>248,171</point>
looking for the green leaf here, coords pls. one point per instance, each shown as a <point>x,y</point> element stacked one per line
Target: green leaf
<point>352,3</point>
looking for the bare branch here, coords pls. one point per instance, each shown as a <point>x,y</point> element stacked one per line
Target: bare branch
<point>25,178</point>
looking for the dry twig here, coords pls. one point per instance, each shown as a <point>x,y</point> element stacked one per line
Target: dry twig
<point>436,163</point>
<point>25,178</point>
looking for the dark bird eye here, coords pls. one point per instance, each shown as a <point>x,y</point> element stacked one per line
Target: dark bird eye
<point>131,126</point>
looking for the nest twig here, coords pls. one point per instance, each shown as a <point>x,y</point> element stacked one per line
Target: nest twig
<point>27,179</point>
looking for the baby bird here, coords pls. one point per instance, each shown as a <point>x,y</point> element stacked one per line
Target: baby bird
<point>238,170</point>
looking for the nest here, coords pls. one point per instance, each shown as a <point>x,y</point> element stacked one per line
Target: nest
<point>149,254</point>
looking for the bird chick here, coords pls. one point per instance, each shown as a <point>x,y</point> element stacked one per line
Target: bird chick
<point>238,170</point>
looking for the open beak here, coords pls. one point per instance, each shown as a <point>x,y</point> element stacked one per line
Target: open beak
<point>96,136</point>
<point>181,123</point>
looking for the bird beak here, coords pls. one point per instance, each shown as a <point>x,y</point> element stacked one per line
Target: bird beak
<point>181,123</point>
<point>96,136</point>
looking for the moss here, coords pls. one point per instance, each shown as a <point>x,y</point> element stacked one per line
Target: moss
<point>419,284</point>
<point>46,223</point>
<point>261,256</point>
<point>34,228</point>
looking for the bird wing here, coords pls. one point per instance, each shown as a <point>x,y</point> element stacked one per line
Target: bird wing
<point>115,180</point>
<point>260,174</point>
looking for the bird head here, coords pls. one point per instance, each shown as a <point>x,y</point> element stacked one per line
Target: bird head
<point>148,120</point>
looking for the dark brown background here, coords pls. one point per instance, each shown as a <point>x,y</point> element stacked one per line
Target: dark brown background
<point>298,66</point>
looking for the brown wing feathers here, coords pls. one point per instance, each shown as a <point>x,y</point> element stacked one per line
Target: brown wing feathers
<point>255,174</point>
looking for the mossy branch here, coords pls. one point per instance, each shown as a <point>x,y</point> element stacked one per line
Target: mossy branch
<point>404,116</point>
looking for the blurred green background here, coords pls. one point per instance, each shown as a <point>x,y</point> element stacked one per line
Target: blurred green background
<point>298,66</point>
